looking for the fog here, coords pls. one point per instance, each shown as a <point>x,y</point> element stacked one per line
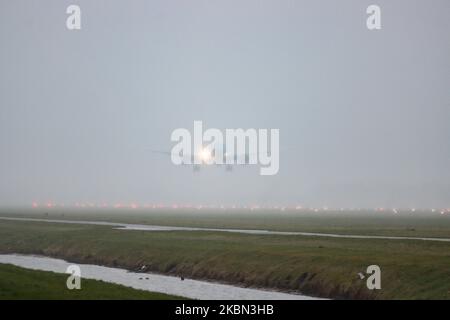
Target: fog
<point>363,115</point>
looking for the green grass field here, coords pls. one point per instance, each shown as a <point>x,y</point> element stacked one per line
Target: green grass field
<point>19,283</point>
<point>406,223</point>
<point>325,267</point>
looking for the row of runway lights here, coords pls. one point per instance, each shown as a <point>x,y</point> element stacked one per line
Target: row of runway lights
<point>228,207</point>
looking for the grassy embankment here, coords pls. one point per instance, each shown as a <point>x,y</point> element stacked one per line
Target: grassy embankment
<point>323,267</point>
<point>24,284</point>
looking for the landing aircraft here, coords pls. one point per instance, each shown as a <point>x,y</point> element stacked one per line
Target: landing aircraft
<point>206,158</point>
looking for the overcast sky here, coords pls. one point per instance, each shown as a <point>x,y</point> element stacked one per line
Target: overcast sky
<point>364,116</point>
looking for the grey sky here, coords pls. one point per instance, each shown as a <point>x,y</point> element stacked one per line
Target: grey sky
<point>363,115</point>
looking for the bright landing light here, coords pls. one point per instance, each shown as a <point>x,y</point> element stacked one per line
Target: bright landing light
<point>205,155</point>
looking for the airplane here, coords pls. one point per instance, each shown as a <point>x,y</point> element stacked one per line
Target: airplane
<point>205,156</point>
